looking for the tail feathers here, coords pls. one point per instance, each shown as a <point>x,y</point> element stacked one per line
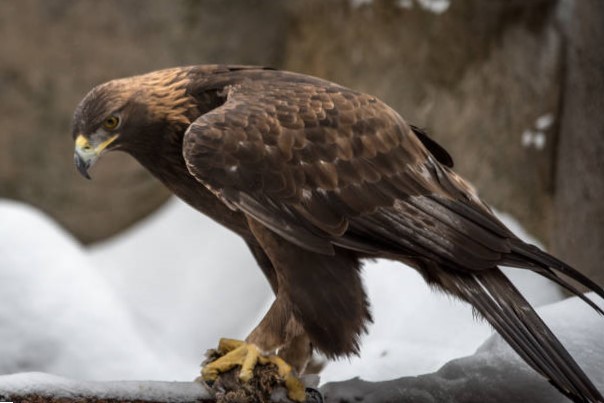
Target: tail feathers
<point>531,257</point>
<point>551,275</point>
<point>565,284</point>
<point>498,301</point>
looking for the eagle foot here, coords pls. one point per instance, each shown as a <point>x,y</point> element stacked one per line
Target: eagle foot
<point>236,353</point>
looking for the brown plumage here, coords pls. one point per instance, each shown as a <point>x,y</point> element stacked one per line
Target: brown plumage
<point>316,177</point>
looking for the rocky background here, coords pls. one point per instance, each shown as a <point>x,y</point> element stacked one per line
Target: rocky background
<point>513,89</point>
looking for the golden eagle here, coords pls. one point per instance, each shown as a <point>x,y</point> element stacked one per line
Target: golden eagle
<point>317,177</point>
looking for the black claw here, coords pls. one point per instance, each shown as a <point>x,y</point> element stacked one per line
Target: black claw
<point>313,396</point>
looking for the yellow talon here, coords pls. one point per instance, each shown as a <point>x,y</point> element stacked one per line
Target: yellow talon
<point>295,388</point>
<point>226,345</point>
<point>247,355</point>
<point>249,363</point>
<point>224,364</point>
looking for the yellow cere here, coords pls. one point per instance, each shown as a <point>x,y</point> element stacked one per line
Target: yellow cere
<point>83,144</point>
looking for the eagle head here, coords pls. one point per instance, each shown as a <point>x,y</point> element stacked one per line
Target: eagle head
<point>129,113</point>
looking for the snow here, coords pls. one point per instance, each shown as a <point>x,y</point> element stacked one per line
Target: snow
<point>31,383</point>
<point>410,320</point>
<point>147,303</point>
<point>537,138</point>
<point>406,337</point>
<point>58,314</point>
<point>190,266</point>
<point>577,325</point>
<point>495,373</point>
<point>537,290</point>
<point>544,122</point>
<point>433,6</point>
<point>175,271</point>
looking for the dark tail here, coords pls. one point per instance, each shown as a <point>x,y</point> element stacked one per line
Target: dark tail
<point>529,256</point>
<point>498,301</point>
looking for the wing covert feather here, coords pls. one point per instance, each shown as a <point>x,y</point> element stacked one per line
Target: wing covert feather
<point>323,165</point>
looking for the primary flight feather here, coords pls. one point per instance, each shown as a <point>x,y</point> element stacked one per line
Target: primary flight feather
<point>316,177</point>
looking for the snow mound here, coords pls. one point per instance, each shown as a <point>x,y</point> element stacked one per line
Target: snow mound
<point>176,270</point>
<point>412,321</point>
<point>495,373</point>
<point>187,280</point>
<point>57,314</point>
<point>149,302</point>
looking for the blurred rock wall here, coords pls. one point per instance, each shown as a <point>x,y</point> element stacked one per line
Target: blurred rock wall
<point>476,77</point>
<point>578,236</point>
<point>54,52</point>
<point>513,89</point>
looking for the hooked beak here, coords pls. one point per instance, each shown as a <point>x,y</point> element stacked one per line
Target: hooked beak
<point>86,154</point>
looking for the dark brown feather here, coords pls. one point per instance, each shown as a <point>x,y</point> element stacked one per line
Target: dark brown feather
<point>373,184</point>
<point>316,176</point>
<point>436,149</point>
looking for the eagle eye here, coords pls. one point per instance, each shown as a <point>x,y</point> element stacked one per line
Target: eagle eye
<point>111,122</point>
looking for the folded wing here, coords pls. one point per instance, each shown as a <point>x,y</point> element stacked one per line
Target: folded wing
<point>326,167</point>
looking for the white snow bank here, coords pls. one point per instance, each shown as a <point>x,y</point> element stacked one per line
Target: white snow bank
<point>187,280</point>
<point>58,387</point>
<point>176,271</point>
<point>56,313</point>
<point>149,302</point>
<point>413,323</point>
<point>535,288</point>
<point>579,328</point>
<point>495,373</point>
